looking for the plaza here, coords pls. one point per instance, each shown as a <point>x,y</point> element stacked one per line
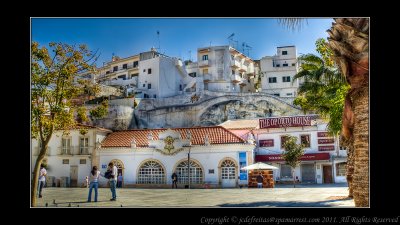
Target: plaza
<point>314,195</point>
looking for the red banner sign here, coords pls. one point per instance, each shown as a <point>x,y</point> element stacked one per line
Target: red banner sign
<point>266,143</point>
<point>295,121</point>
<point>323,134</point>
<point>326,141</point>
<point>326,148</point>
<point>305,157</point>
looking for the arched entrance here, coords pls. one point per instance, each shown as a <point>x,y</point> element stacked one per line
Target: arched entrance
<point>196,172</point>
<point>228,170</point>
<point>151,172</point>
<point>120,166</point>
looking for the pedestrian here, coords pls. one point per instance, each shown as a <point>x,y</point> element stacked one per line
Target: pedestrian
<point>113,180</point>
<point>119,184</point>
<point>86,182</point>
<point>42,179</point>
<point>174,180</point>
<point>94,183</point>
<point>260,180</point>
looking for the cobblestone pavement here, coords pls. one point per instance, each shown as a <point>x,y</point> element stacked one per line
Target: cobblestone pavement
<point>317,195</point>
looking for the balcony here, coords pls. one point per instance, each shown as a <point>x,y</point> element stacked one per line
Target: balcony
<point>243,68</point>
<point>204,63</point>
<point>207,78</point>
<point>236,78</point>
<point>76,150</point>
<point>235,64</point>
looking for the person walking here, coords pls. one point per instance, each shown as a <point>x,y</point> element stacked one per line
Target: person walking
<point>113,180</point>
<point>260,180</point>
<point>42,179</point>
<point>94,183</point>
<point>174,180</point>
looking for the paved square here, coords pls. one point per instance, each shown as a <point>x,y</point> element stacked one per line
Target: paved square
<point>318,195</point>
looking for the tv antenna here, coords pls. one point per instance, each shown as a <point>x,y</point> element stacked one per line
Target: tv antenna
<point>158,37</point>
<point>248,49</point>
<point>230,38</point>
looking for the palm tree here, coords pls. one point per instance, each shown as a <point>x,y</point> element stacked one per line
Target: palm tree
<point>349,41</point>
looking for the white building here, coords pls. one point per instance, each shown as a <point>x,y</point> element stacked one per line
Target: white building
<point>278,72</point>
<point>147,158</point>
<point>322,162</point>
<point>70,155</point>
<point>225,69</point>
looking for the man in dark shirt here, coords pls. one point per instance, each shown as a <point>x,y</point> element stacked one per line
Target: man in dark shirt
<point>174,180</point>
<point>260,180</point>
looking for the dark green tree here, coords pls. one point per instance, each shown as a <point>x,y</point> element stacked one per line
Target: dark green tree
<point>292,153</point>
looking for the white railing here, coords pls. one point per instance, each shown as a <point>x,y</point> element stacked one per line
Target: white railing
<point>202,63</point>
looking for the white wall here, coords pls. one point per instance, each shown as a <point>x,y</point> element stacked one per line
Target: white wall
<point>153,78</point>
<point>208,156</point>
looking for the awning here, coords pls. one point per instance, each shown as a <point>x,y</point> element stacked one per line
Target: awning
<point>305,157</point>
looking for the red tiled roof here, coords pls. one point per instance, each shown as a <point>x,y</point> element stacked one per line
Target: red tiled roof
<point>241,132</point>
<point>216,135</point>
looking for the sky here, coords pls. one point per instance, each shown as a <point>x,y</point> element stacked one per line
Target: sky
<point>178,37</point>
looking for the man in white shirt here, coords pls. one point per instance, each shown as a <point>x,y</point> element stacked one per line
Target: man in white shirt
<point>113,180</point>
<point>42,179</point>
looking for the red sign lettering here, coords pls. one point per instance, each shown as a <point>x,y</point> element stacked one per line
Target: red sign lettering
<point>295,121</point>
<point>267,143</point>
<point>326,148</point>
<point>325,141</point>
<point>305,157</point>
<point>323,134</point>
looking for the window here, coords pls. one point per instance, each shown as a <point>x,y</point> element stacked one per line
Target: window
<point>149,71</point>
<point>283,139</point>
<point>285,64</point>
<point>144,85</point>
<point>82,161</point>
<point>144,70</point>
<point>155,96</point>
<point>276,95</point>
<point>293,64</point>
<point>286,171</point>
<point>192,74</point>
<point>66,146</point>
<point>228,170</point>
<point>233,72</point>
<point>205,57</point>
<point>289,94</point>
<point>341,169</point>
<point>148,86</point>
<point>151,172</point>
<point>145,96</point>
<point>84,146</point>
<point>271,79</point>
<point>125,66</point>
<point>205,71</point>
<point>107,72</point>
<point>135,64</point>
<point>115,68</point>
<point>65,161</point>
<point>305,140</point>
<point>286,79</point>
<point>278,65</point>
<point>284,52</point>
<point>196,173</point>
<point>211,171</point>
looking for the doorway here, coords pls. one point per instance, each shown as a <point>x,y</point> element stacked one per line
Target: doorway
<point>327,172</point>
<point>307,173</point>
<point>73,176</point>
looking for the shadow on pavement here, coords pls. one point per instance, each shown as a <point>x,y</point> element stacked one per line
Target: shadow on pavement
<point>283,204</point>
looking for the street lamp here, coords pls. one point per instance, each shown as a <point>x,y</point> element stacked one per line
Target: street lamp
<point>189,137</point>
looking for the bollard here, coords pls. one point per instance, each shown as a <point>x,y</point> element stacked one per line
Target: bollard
<point>47,204</point>
<point>69,204</point>
<point>121,205</point>
<point>54,201</point>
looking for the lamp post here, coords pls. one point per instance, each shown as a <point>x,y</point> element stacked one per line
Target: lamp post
<point>189,137</point>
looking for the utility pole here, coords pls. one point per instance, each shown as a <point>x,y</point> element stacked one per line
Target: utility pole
<point>189,137</point>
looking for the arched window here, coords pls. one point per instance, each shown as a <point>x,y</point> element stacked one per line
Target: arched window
<point>151,172</point>
<point>228,170</point>
<point>120,166</point>
<point>196,173</point>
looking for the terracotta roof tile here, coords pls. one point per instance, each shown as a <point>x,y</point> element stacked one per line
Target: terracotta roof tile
<point>80,126</point>
<point>240,124</point>
<point>216,135</point>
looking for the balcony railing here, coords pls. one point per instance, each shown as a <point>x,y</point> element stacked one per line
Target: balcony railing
<point>236,78</point>
<point>235,64</point>
<point>204,63</point>
<point>76,150</point>
<point>207,77</point>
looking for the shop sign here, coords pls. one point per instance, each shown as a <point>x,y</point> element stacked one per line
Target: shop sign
<point>266,143</point>
<point>326,148</point>
<point>305,157</point>
<point>293,121</point>
<point>325,141</point>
